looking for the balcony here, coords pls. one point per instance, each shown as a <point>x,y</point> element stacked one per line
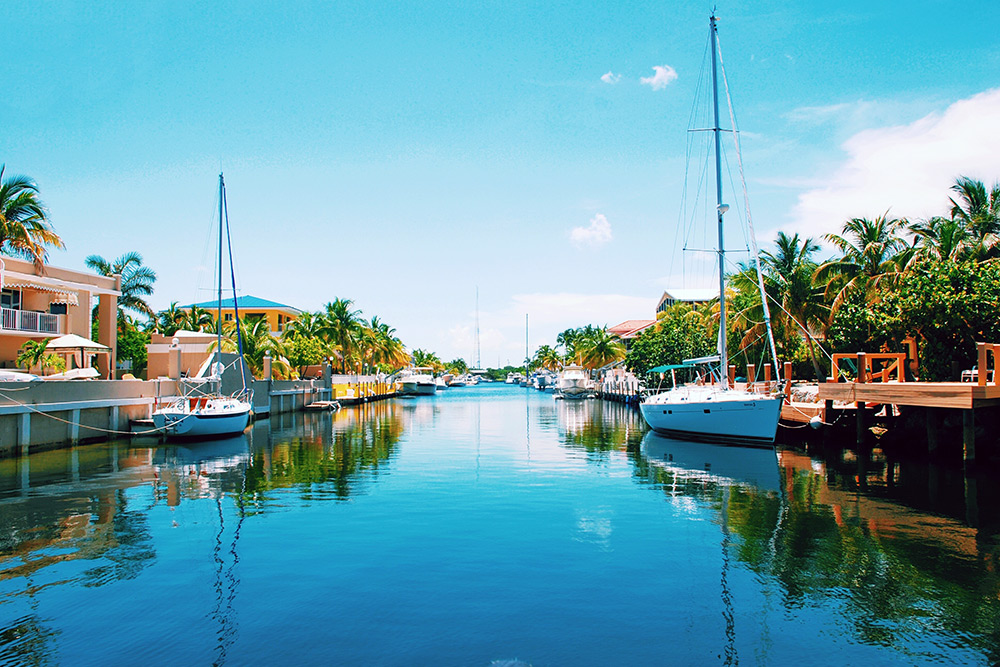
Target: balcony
<point>29,321</point>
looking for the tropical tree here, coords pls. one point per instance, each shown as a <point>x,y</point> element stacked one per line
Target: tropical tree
<point>873,255</point>
<point>940,239</point>
<point>31,353</point>
<point>457,366</point>
<point>381,347</point>
<point>797,306</point>
<point>979,211</point>
<point>423,358</point>
<point>170,320</point>
<point>597,348</point>
<point>342,329</point>
<point>137,280</point>
<point>258,342</point>
<point>548,357</point>
<point>24,225</point>
<point>198,319</point>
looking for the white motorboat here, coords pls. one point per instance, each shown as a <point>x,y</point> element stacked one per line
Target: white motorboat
<point>573,382</point>
<point>717,412</point>
<point>418,382</point>
<point>206,414</point>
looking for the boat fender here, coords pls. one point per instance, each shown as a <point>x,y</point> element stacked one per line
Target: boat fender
<point>816,422</point>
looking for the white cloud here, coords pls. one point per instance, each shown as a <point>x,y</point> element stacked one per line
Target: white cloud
<point>611,78</point>
<point>906,169</point>
<point>598,233</point>
<point>663,75</point>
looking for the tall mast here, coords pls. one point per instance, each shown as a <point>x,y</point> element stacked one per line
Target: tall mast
<point>720,209</point>
<point>218,340</point>
<point>478,363</point>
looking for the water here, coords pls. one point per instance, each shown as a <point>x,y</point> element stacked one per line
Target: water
<point>489,524</point>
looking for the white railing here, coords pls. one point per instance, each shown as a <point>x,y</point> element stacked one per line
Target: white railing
<point>28,320</point>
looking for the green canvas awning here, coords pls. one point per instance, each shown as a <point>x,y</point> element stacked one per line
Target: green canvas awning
<point>670,367</point>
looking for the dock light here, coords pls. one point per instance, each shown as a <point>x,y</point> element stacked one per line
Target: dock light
<point>723,208</point>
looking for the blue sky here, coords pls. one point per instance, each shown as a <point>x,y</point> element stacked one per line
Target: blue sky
<point>400,154</point>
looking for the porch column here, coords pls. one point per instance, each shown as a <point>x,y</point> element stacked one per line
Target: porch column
<point>107,333</point>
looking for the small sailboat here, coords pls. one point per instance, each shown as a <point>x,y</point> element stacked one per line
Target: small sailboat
<point>204,412</point>
<point>715,411</point>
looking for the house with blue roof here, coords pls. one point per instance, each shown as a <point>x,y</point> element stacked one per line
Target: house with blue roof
<point>252,309</point>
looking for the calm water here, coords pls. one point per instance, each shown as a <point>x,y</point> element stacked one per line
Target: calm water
<point>485,524</point>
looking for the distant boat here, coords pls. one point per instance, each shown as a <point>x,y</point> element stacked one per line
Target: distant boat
<point>716,412</point>
<point>573,382</point>
<point>207,413</point>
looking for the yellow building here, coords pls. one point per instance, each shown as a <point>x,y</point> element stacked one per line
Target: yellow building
<point>252,309</point>
<point>48,302</point>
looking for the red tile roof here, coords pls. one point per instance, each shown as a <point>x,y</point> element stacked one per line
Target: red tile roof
<point>630,328</point>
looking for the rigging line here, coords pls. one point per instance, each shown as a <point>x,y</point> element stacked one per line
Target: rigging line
<point>746,203</point>
<point>236,307</point>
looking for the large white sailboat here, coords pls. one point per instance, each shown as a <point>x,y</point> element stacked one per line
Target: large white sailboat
<point>715,411</point>
<point>203,412</point>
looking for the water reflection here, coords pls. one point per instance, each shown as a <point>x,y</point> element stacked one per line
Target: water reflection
<point>898,576</point>
<point>329,454</point>
<point>597,427</point>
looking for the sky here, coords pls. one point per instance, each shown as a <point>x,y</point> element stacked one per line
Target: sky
<point>406,154</point>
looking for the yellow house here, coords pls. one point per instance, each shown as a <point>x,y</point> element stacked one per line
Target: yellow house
<point>50,302</point>
<point>251,309</point>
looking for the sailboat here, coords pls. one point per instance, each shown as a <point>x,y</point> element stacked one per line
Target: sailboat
<point>717,412</point>
<point>210,414</point>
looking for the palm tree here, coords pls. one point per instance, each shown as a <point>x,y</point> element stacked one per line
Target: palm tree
<point>980,212</point>
<point>790,269</point>
<point>24,224</point>
<point>597,348</point>
<point>342,328</point>
<point>425,359</point>
<point>31,353</point>
<point>257,343</point>
<point>198,319</point>
<point>137,280</point>
<point>548,357</point>
<point>873,256</point>
<point>381,346</point>
<point>170,320</point>
<point>942,239</point>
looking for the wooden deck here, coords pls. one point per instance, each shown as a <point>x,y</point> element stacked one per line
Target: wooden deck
<point>961,395</point>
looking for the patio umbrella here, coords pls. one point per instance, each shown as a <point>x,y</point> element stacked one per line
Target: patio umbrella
<point>72,343</point>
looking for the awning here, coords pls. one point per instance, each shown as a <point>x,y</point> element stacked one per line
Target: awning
<point>670,367</point>
<point>62,295</point>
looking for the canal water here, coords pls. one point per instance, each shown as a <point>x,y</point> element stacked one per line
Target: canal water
<point>486,525</point>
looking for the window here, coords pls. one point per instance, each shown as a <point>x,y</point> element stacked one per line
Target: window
<point>57,308</point>
<point>11,298</point>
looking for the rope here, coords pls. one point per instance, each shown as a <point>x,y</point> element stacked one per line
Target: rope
<point>32,408</point>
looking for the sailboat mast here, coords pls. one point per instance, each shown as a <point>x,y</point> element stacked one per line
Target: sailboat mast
<point>723,356</point>
<point>218,340</point>
<point>478,362</point>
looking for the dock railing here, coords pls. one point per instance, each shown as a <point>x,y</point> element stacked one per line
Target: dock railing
<point>984,375</point>
<point>871,367</point>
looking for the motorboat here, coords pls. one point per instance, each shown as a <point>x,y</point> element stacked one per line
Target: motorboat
<point>417,382</point>
<point>574,382</point>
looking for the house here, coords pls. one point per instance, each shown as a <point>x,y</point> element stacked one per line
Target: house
<point>46,302</point>
<point>694,296</point>
<point>252,309</point>
<point>628,330</point>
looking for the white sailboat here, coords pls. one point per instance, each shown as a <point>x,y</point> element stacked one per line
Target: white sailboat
<point>717,412</point>
<point>208,414</point>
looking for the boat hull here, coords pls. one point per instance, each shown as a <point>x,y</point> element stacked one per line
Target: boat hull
<point>202,423</point>
<point>725,418</point>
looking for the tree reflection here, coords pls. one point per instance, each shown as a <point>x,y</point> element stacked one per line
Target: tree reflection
<point>892,572</point>
<point>338,462</point>
<point>599,427</point>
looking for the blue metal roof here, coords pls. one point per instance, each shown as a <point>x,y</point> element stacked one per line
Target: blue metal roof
<point>244,303</point>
